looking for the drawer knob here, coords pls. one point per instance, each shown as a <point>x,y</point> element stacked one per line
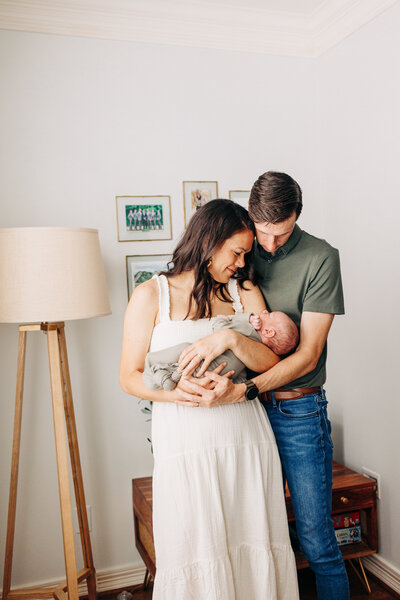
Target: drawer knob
<point>344,500</point>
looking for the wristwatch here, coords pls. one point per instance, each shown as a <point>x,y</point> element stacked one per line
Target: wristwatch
<point>251,390</point>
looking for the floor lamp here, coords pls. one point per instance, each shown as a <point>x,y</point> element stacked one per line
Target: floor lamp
<point>49,275</point>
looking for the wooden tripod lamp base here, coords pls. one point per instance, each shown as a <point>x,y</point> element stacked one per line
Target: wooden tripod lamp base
<point>64,430</point>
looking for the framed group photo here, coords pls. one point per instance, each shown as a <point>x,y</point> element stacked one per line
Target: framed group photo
<point>196,194</point>
<point>240,197</point>
<point>143,218</point>
<point>141,268</point>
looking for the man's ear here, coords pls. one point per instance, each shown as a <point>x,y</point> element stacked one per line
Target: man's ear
<point>269,332</point>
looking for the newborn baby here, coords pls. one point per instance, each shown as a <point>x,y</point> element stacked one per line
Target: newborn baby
<point>276,330</point>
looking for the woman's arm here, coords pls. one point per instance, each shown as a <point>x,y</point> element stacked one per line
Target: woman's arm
<point>255,355</point>
<point>139,323</point>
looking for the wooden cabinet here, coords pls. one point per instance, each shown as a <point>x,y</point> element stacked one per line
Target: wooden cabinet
<point>142,496</point>
<point>351,491</point>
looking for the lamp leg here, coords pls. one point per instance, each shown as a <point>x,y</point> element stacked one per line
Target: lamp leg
<point>14,465</point>
<point>76,468</point>
<point>62,462</point>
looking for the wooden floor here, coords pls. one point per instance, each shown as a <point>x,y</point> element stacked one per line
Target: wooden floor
<point>307,589</point>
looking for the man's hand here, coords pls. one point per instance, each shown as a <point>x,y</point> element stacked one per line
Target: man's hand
<point>224,391</point>
<point>206,349</point>
<point>205,383</point>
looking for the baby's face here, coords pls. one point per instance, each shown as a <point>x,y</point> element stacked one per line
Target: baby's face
<point>267,323</point>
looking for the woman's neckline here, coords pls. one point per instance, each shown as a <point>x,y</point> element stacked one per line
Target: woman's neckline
<point>192,320</point>
<point>167,311</point>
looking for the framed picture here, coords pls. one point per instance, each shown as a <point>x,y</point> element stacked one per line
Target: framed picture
<point>240,197</point>
<point>142,268</point>
<point>196,194</point>
<point>143,218</point>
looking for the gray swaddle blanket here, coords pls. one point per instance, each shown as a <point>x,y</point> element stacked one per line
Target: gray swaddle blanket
<point>161,367</point>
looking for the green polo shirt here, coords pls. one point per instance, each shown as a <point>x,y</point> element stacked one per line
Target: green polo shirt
<point>302,275</point>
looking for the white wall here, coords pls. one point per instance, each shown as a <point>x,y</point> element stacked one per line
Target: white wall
<point>359,141</point>
<point>83,121</point>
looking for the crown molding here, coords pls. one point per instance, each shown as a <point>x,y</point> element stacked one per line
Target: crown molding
<point>194,24</point>
<point>335,21</point>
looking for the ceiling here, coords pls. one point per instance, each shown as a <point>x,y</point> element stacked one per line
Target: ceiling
<point>304,28</point>
<point>305,7</point>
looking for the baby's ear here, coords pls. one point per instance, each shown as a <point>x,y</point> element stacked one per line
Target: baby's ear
<point>269,332</point>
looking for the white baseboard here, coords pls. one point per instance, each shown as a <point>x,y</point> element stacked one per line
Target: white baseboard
<point>117,578</point>
<point>126,577</point>
<point>383,570</point>
<point>114,579</point>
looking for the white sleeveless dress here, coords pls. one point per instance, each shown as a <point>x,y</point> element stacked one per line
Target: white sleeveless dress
<point>219,517</point>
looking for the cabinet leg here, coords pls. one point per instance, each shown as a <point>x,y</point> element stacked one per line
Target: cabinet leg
<point>363,576</point>
<point>147,579</point>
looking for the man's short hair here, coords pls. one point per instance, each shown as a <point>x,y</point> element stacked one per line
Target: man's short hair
<point>274,197</point>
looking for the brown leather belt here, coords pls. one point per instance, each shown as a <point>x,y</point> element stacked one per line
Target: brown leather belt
<point>294,394</point>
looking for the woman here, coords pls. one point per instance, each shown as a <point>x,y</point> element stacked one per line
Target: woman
<point>219,518</point>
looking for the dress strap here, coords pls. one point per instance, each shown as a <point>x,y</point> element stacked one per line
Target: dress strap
<point>163,297</point>
<point>234,294</point>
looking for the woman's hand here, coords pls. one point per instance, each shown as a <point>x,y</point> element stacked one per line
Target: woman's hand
<point>224,391</point>
<point>206,349</point>
<point>180,394</point>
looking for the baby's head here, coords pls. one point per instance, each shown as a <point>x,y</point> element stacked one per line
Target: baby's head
<point>277,331</point>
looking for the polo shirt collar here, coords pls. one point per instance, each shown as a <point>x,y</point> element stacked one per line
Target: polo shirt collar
<point>286,248</point>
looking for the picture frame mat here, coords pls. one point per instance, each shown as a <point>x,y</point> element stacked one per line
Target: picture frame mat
<point>152,263</point>
<point>240,197</point>
<point>187,190</point>
<point>125,235</point>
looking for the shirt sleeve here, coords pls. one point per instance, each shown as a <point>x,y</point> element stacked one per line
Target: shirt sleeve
<point>325,292</point>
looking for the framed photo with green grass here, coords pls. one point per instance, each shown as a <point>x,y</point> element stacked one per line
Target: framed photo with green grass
<point>141,268</point>
<point>143,218</point>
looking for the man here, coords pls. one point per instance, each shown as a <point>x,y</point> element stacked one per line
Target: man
<point>300,275</point>
<point>130,218</point>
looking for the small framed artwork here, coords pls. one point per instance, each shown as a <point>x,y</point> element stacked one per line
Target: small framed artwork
<point>143,218</point>
<point>240,197</point>
<point>196,194</point>
<point>142,268</point>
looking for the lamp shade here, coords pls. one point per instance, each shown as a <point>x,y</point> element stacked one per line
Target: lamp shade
<point>51,274</point>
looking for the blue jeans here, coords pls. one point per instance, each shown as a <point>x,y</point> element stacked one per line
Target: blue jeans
<point>302,431</point>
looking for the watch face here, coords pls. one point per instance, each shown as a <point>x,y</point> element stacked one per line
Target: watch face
<point>252,392</point>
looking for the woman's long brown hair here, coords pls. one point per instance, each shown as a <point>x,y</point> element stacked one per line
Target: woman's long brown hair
<point>210,226</point>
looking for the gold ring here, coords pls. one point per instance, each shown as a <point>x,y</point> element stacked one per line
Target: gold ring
<point>197,404</point>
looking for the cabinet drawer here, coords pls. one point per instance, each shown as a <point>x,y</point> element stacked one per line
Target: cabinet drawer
<point>344,500</point>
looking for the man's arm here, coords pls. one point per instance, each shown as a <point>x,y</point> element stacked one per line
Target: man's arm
<point>314,329</point>
<point>255,355</point>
